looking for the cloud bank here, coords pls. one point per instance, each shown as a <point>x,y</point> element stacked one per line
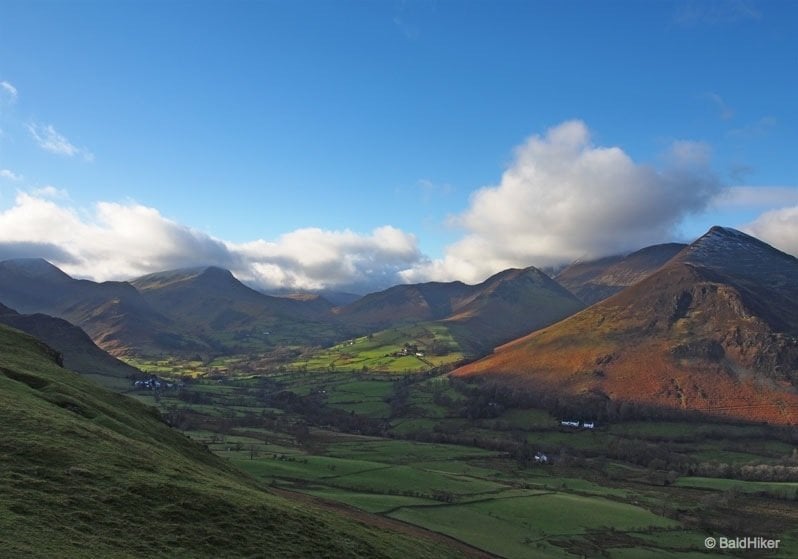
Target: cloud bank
<point>563,198</point>
<point>778,228</point>
<point>122,241</point>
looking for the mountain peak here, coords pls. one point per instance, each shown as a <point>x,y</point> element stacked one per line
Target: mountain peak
<point>215,272</point>
<point>203,274</point>
<point>728,249</point>
<point>720,232</point>
<point>38,268</point>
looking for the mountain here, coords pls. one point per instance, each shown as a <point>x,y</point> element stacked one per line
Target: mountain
<point>405,303</point>
<point>595,280</point>
<point>715,330</point>
<point>113,313</point>
<point>78,352</point>
<point>507,305</point>
<point>88,473</point>
<point>504,306</point>
<point>337,298</point>
<point>213,306</point>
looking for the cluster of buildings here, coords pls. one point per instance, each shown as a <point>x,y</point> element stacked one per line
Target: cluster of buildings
<point>575,423</point>
<point>152,383</point>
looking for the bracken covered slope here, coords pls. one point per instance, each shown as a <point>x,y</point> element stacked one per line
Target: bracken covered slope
<point>715,330</point>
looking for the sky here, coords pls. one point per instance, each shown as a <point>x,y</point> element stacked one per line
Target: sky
<point>351,145</point>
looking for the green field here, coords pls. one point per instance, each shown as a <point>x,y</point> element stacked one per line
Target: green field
<point>415,448</point>
<point>778,489</point>
<point>381,351</point>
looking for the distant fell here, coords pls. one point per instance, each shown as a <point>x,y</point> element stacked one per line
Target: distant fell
<point>113,313</point>
<point>595,280</point>
<point>506,305</point>
<point>210,304</point>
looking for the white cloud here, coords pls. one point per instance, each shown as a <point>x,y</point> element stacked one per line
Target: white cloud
<point>563,198</point>
<point>121,241</point>
<point>756,197</point>
<point>314,258</point>
<point>9,90</point>
<point>114,241</point>
<point>778,228</point>
<point>49,139</point>
<point>10,175</point>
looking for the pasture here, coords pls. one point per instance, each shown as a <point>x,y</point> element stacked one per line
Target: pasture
<point>419,449</point>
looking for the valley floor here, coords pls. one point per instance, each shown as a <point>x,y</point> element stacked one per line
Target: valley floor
<point>421,450</point>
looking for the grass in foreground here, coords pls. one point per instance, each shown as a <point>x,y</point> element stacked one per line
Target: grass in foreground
<point>88,473</point>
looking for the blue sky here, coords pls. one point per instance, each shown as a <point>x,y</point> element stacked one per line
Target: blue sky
<point>247,126</point>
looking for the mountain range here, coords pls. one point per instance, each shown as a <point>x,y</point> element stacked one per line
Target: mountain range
<point>207,311</point>
<point>202,311</point>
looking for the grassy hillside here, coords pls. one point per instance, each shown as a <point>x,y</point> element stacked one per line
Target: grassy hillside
<point>88,473</point>
<point>78,351</point>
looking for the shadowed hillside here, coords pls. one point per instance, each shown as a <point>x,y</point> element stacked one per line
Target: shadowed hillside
<point>213,306</point>
<point>112,313</point>
<point>595,280</point>
<point>77,350</point>
<point>504,306</point>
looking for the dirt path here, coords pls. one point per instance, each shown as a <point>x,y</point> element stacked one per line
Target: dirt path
<point>382,522</point>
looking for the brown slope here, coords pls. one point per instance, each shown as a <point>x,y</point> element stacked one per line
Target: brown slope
<point>594,281</point>
<point>714,331</point>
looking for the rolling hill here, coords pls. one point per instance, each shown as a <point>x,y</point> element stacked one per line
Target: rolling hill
<point>715,330</point>
<point>595,280</point>
<point>88,473</point>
